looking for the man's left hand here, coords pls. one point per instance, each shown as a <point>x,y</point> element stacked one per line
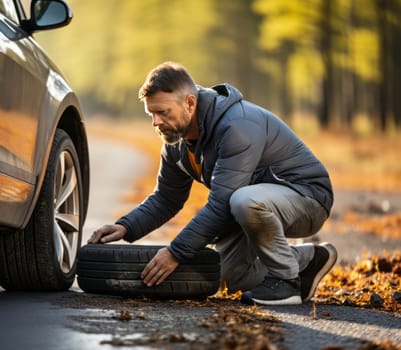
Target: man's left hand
<point>159,268</point>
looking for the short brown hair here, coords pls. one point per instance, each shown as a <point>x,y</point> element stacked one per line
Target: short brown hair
<point>167,77</point>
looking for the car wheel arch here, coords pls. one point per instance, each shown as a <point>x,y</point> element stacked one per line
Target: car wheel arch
<point>72,123</point>
<point>70,119</point>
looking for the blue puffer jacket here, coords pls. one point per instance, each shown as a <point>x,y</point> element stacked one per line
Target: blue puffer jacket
<point>240,144</point>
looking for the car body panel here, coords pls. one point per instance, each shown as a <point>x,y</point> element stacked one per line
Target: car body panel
<point>21,92</point>
<point>34,101</point>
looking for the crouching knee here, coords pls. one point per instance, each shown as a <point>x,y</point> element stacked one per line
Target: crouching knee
<point>252,214</point>
<point>240,204</point>
<point>244,207</point>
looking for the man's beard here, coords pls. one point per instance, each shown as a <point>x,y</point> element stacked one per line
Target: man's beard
<point>171,136</point>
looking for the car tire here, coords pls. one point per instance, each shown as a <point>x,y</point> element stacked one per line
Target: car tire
<point>116,269</point>
<point>43,255</point>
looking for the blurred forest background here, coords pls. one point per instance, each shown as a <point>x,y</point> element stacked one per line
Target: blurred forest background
<point>333,63</point>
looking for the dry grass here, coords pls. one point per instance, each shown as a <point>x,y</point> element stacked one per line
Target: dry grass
<point>359,162</point>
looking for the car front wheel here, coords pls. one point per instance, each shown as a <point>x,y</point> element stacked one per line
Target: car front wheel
<point>43,255</point>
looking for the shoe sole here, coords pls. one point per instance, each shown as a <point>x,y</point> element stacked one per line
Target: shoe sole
<point>294,300</point>
<point>324,270</point>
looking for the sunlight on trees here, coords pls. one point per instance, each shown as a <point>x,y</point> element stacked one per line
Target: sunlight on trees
<point>333,60</point>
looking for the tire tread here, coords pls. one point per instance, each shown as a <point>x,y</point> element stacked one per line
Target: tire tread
<point>116,269</point>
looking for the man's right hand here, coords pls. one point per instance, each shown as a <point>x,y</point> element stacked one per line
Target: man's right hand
<point>108,233</point>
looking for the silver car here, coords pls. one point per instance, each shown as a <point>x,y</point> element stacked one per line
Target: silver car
<point>44,162</point>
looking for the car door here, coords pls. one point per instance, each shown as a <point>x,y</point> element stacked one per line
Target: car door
<point>21,93</point>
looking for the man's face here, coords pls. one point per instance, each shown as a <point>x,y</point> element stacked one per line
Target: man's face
<point>170,114</point>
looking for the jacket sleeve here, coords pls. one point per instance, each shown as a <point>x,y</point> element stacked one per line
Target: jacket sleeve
<point>170,194</point>
<point>239,148</point>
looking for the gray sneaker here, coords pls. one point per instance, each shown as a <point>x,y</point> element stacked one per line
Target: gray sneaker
<point>324,259</point>
<point>274,291</point>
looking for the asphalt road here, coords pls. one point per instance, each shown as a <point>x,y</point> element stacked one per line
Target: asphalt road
<point>75,320</point>
<point>30,321</point>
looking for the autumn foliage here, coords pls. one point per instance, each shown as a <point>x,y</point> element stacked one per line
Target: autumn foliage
<point>373,282</point>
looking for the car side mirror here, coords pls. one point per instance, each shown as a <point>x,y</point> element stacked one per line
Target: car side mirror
<point>47,14</point>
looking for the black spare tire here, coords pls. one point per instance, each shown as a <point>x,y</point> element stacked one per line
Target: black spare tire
<point>116,269</point>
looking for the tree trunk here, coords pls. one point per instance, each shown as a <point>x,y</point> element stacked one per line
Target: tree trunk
<point>327,79</point>
<point>396,60</point>
<point>384,66</point>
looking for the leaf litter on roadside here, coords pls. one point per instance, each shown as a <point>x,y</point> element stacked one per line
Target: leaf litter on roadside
<point>243,328</point>
<point>373,282</point>
<point>229,326</point>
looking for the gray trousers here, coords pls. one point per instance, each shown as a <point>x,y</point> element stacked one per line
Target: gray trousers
<point>268,214</point>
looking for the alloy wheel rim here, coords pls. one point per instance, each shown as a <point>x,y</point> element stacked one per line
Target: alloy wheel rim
<point>66,212</point>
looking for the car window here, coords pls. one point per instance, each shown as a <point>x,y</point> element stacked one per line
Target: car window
<point>7,8</point>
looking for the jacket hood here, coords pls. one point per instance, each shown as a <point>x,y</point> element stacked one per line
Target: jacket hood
<point>212,104</point>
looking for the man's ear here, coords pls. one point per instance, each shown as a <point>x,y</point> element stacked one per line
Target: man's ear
<point>190,103</point>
